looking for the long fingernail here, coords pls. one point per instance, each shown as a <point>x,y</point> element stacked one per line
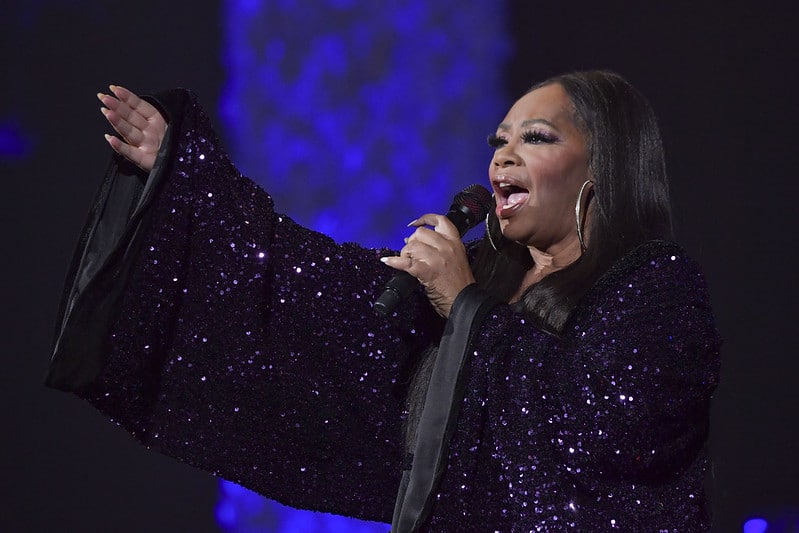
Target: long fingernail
<point>384,259</point>
<point>412,222</point>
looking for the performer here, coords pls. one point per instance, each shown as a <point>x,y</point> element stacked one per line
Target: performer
<point>555,376</point>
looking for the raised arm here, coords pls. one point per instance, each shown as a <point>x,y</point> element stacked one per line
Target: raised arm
<point>228,336</point>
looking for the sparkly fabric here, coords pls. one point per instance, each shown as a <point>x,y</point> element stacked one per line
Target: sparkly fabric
<point>246,345</point>
<point>601,429</point>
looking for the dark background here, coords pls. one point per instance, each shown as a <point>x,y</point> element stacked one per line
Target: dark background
<point>721,79</point>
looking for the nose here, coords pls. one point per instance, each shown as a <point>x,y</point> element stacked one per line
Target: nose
<point>505,156</point>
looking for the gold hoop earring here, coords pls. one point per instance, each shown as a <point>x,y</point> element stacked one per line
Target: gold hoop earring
<point>490,238</point>
<point>488,227</point>
<point>578,218</point>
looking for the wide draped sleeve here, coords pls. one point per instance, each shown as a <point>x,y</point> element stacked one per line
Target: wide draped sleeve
<point>224,334</point>
<point>604,426</point>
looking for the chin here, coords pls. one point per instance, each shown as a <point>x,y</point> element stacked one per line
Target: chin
<point>510,230</point>
<point>516,237</point>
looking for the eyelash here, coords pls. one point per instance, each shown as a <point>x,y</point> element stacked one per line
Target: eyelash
<point>530,137</point>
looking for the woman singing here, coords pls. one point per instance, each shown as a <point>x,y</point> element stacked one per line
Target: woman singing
<point>555,376</point>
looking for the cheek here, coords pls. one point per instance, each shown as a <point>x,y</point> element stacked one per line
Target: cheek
<point>553,199</point>
<point>553,192</point>
<point>556,182</point>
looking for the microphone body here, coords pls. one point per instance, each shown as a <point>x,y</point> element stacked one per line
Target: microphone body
<point>469,208</point>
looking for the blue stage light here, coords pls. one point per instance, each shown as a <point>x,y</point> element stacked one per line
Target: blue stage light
<point>755,525</point>
<point>14,144</point>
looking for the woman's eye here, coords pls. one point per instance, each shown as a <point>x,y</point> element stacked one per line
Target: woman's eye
<point>528,137</point>
<point>538,137</point>
<point>496,142</point>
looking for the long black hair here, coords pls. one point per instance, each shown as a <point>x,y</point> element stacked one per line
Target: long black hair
<point>630,205</point>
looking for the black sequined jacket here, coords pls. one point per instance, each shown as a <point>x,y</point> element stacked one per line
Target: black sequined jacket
<point>221,333</point>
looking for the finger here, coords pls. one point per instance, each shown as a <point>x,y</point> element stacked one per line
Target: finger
<point>120,146</point>
<point>130,153</point>
<point>128,131</point>
<point>123,110</point>
<point>140,106</point>
<point>421,252</point>
<point>412,256</point>
<point>440,223</point>
<point>437,239</point>
<point>400,263</point>
<point>418,258</point>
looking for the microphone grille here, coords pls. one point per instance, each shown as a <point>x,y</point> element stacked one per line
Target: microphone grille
<point>476,199</point>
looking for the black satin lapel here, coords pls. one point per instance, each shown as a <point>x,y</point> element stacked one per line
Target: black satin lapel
<point>440,413</point>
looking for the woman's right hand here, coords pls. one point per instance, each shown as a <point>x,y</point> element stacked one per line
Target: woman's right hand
<point>140,124</point>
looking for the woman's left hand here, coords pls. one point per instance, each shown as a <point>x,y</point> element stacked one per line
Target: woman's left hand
<point>437,258</point>
<point>140,124</point>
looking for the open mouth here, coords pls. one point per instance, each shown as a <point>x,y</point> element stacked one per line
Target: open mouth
<point>509,197</point>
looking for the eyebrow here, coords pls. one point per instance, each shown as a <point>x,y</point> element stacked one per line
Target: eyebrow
<point>528,123</point>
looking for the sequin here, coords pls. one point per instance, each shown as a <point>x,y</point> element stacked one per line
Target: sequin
<point>602,428</point>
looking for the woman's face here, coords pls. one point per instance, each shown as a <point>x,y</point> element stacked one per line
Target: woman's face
<point>539,164</point>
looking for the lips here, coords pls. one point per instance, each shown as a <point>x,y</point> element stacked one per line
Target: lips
<point>509,195</point>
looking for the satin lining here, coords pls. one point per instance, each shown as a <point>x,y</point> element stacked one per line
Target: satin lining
<point>108,247</point>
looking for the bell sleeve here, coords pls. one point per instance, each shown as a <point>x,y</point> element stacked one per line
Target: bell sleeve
<point>224,334</point>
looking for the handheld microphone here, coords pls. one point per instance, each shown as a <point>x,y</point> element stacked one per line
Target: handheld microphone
<point>469,208</point>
